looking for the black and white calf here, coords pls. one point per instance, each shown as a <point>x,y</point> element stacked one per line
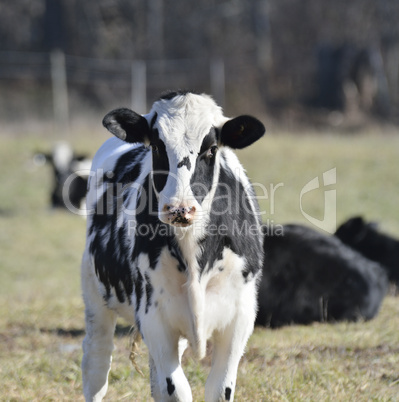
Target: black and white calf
<point>70,175</point>
<point>174,243</point>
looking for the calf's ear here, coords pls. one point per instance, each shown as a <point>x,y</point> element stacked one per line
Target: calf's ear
<point>241,131</point>
<point>127,125</point>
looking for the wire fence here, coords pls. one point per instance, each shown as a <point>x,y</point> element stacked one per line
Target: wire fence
<point>56,86</point>
<point>131,81</point>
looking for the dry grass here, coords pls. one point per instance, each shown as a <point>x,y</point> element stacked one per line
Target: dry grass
<point>41,312</point>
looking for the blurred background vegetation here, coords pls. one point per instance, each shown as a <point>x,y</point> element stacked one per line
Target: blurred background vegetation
<point>298,62</point>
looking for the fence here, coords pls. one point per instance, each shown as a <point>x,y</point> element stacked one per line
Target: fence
<point>137,80</point>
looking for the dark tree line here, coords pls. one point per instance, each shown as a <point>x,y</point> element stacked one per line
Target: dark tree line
<point>315,53</point>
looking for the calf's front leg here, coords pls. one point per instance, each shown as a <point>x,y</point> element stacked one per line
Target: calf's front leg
<point>228,348</point>
<point>168,382</point>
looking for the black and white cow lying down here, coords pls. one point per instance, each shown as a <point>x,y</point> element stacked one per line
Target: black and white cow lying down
<point>70,175</point>
<point>309,276</point>
<point>168,206</point>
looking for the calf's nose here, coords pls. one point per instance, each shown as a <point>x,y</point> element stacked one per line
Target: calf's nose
<point>179,216</point>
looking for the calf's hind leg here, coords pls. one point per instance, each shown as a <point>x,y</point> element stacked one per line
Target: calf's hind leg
<point>97,350</point>
<point>98,343</point>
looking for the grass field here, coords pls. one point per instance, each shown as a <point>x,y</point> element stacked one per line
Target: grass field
<point>41,311</point>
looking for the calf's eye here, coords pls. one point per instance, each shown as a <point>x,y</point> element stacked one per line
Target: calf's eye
<point>212,151</point>
<point>154,148</point>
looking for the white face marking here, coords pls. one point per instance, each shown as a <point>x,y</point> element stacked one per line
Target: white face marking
<point>182,123</point>
<point>62,156</point>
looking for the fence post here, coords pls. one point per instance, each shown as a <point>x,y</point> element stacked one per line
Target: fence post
<point>139,86</point>
<point>60,92</point>
<point>218,80</point>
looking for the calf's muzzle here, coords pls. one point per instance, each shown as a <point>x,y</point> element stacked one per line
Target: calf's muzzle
<point>181,216</point>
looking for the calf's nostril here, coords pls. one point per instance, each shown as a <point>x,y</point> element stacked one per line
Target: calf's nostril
<point>191,210</point>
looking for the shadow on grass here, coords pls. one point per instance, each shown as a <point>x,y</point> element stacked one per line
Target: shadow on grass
<point>7,213</point>
<point>120,331</point>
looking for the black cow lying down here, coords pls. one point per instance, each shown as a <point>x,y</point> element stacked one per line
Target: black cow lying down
<point>365,238</point>
<point>308,276</point>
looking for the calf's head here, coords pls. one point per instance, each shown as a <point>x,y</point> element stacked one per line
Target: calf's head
<point>184,131</point>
